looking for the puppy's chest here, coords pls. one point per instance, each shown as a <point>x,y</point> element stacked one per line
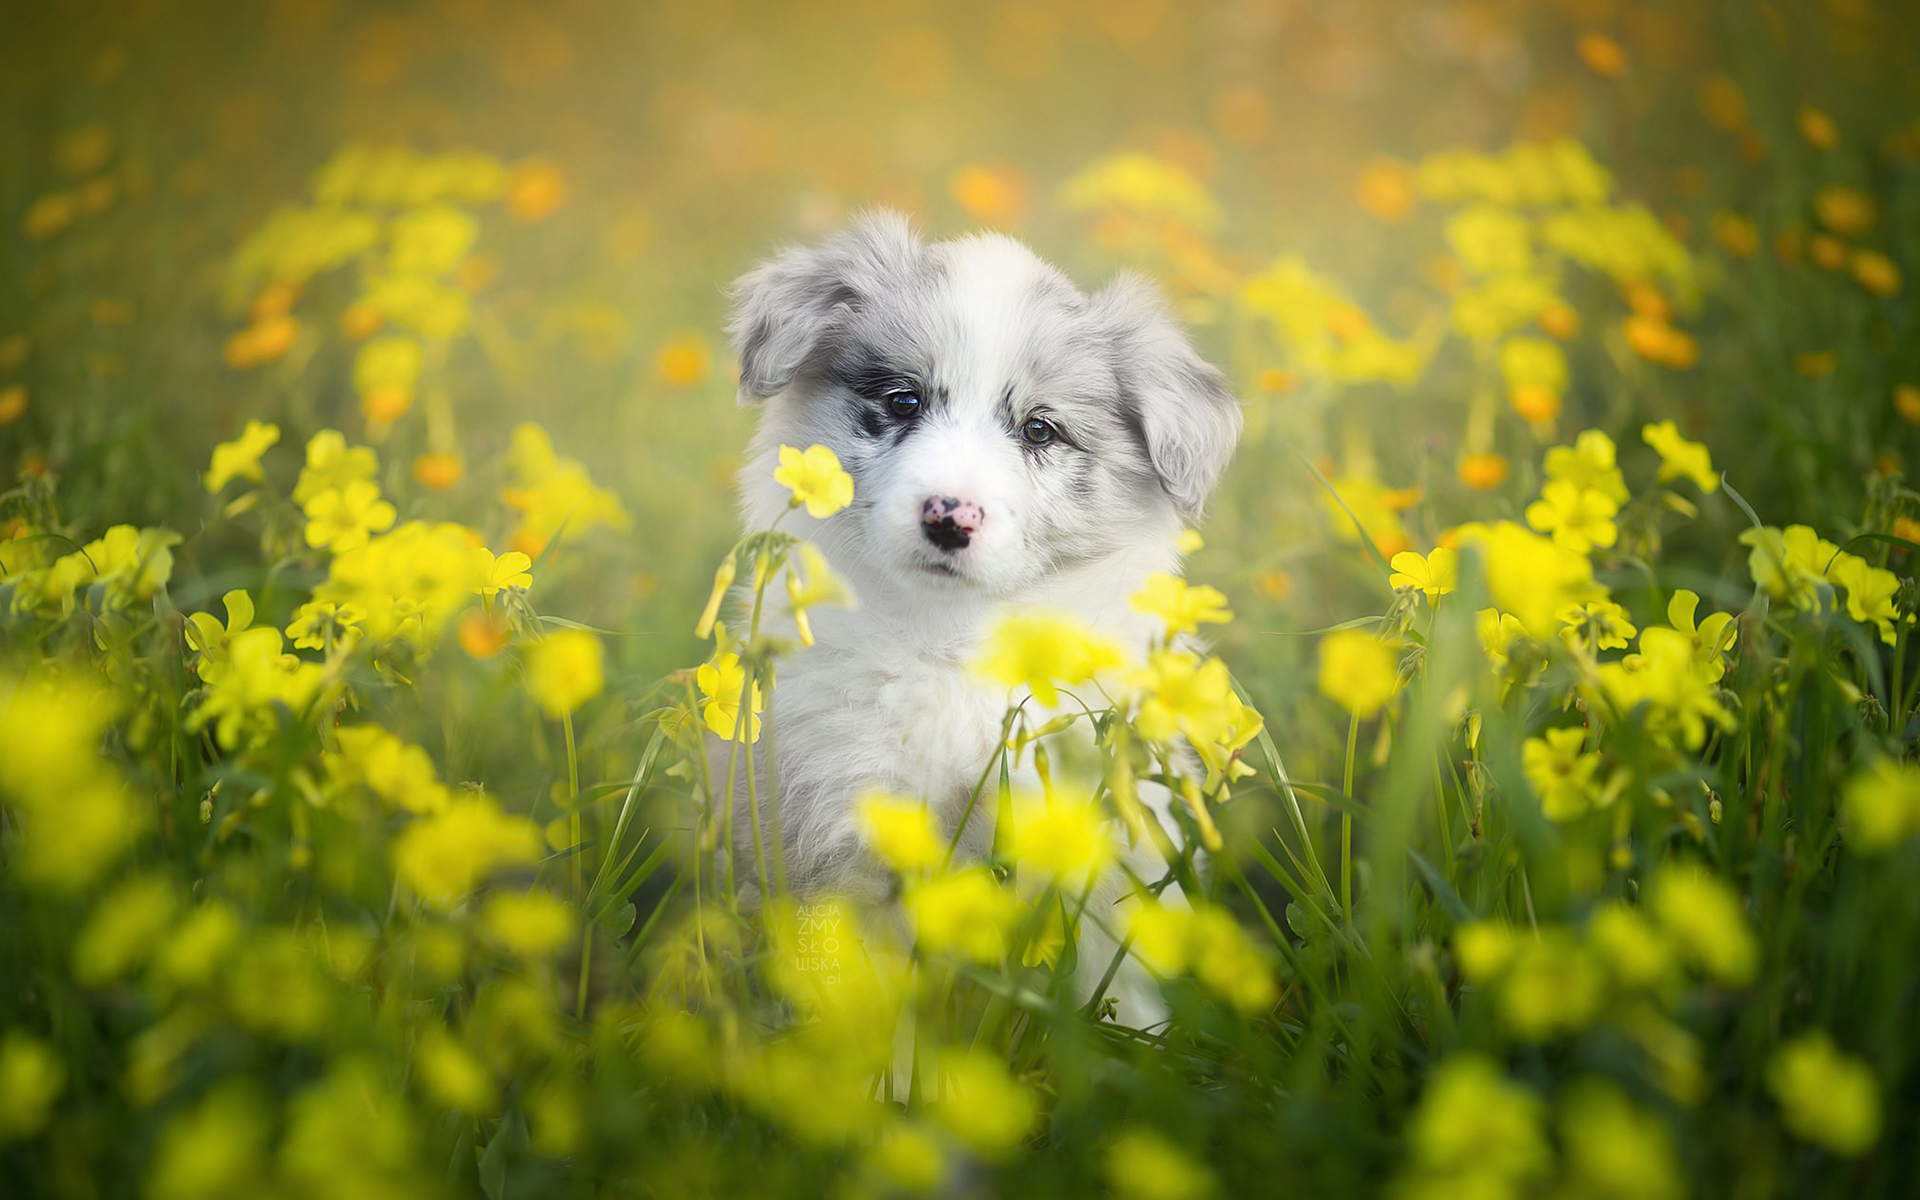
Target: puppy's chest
<point>853,717</point>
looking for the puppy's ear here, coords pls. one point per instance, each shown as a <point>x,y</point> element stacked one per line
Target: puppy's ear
<point>1188,416</point>
<point>790,309</point>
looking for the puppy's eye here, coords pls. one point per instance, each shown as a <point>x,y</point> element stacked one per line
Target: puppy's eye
<point>1038,431</point>
<point>903,403</point>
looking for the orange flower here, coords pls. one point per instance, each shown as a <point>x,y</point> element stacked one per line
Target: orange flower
<point>1559,321</point>
<point>1828,253</point>
<point>13,403</point>
<point>683,360</point>
<point>438,471</point>
<point>386,403</point>
<point>1818,128</point>
<point>1723,103</point>
<point>535,191</point>
<point>1876,272</point>
<point>1658,342</point>
<point>262,341</point>
<point>996,195</point>
<point>1906,402</point>
<point>1816,363</point>
<point>1601,54</point>
<point>361,321</point>
<point>1484,471</point>
<point>1739,235</point>
<point>1274,380</point>
<point>1535,403</point>
<point>482,633</point>
<point>1384,190</point>
<point>276,298</point>
<point>1645,299</point>
<point>1847,211</point>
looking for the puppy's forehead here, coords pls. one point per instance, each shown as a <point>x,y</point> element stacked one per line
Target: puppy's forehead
<point>1004,307</point>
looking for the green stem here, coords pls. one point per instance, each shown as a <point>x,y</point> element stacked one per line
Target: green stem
<point>1346,824</point>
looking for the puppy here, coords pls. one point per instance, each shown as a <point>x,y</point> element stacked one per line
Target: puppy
<point>1013,442</point>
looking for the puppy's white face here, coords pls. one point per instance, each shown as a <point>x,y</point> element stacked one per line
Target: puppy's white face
<point>999,425</point>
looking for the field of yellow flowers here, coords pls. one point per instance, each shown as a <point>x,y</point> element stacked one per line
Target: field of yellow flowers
<point>1540,709</point>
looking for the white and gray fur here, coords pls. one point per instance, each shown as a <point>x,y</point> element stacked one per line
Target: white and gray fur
<point>990,339</point>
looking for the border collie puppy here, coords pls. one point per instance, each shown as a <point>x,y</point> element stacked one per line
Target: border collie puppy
<point>1013,442</point>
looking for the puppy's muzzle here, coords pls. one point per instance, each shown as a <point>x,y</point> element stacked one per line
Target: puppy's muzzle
<point>950,522</point>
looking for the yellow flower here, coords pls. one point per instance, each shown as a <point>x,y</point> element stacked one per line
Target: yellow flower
<point>1870,592</point>
<point>1491,240</point>
<point>816,479</point>
<point>909,1156</point>
<point>1638,955</point>
<point>344,520</point>
<point>256,677</point>
<point>1433,576</point>
<point>552,492</point>
<point>31,1079</point>
<point>810,582</point>
<point>1142,1165</point>
<point>1680,457</point>
<point>401,774</point>
<point>1358,671</point>
<point>1037,650</point>
<point>1817,127</point>
<point>1705,919</point>
<point>1181,605</point>
<point>1580,521</point>
<point>318,624</point>
<point>966,912</point>
<point>564,671</point>
<point>331,466</point>
<point>1561,773</point>
<point>721,681</point>
<point>1064,837</point>
<point>391,362</point>
<point>1847,211</point>
<point>442,857</point>
<point>985,1109</point>
<point>1589,465</point>
<point>1875,272</point>
<point>1532,578</point>
<point>1711,638</point>
<point>210,640</point>
<point>1552,987</point>
<point>901,831</point>
<point>1144,185</point>
<point>240,458</point>
<point>215,1148</point>
<point>507,571</point>
<point>1663,677</point>
<point>1881,806</point>
<point>1179,694</point>
<point>453,1075</point>
<point>1207,943</point>
<point>431,239</point>
<point>1826,1097</point>
<point>1476,1127</point>
<point>529,924</point>
<point>1595,626</point>
<point>1615,1149</point>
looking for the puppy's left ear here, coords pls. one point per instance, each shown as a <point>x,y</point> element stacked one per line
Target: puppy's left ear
<point>1188,416</point>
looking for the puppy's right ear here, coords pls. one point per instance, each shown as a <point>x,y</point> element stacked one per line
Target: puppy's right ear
<point>791,310</point>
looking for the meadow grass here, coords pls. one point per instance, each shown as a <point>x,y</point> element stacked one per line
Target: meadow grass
<point>1543,792</point>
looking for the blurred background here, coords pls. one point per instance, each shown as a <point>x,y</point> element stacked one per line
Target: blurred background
<point>172,174</point>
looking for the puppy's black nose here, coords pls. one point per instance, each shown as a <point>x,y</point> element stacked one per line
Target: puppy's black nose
<point>950,522</point>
